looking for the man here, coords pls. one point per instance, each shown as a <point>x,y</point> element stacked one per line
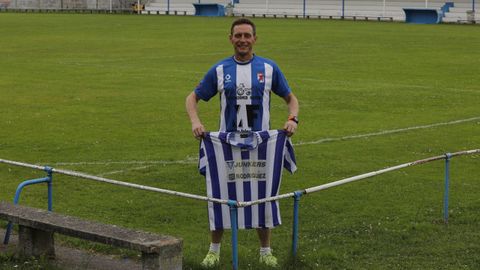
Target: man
<point>244,82</point>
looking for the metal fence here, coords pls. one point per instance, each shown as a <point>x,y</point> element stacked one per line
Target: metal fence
<point>107,5</point>
<point>235,204</point>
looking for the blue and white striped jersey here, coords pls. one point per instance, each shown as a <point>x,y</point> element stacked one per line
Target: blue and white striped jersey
<point>244,92</point>
<point>245,167</point>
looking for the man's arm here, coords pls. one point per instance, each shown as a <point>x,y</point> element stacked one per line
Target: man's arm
<point>191,104</point>
<point>292,103</point>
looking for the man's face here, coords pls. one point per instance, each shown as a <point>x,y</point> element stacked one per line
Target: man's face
<point>243,39</point>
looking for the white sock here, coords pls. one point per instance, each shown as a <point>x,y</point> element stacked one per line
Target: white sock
<point>265,250</point>
<point>215,247</point>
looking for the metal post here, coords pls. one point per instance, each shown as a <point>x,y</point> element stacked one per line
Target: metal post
<point>447,180</point>
<point>20,187</point>
<point>383,10</point>
<point>233,221</point>
<point>343,9</point>
<point>304,8</point>
<point>49,171</point>
<point>296,200</point>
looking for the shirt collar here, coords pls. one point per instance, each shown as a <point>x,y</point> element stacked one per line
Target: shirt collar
<point>243,63</point>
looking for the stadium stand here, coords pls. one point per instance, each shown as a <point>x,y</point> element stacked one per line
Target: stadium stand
<point>352,9</point>
<point>389,10</point>
<point>70,5</point>
<point>332,8</point>
<point>458,13</point>
<point>4,3</point>
<point>176,7</point>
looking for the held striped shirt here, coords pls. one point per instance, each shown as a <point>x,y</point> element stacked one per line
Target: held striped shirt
<point>245,166</point>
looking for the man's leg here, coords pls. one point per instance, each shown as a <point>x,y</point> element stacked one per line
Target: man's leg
<point>266,256</point>
<point>264,235</point>
<point>217,236</point>
<point>213,256</point>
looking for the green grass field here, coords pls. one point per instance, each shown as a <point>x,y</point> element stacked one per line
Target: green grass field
<point>104,95</point>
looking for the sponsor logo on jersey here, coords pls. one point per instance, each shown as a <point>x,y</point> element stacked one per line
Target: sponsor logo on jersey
<point>246,170</point>
<point>243,92</point>
<point>228,78</point>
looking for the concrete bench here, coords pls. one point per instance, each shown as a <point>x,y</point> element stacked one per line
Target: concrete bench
<point>36,228</point>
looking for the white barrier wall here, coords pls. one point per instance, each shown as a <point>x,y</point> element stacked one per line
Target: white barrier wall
<point>370,8</point>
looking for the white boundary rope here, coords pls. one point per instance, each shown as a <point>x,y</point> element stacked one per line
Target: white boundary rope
<point>358,177</point>
<point>240,204</point>
<point>114,182</point>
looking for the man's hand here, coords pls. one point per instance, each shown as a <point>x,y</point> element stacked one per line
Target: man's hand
<point>292,122</point>
<point>290,127</point>
<point>198,129</point>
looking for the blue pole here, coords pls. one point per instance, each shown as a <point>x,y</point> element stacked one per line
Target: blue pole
<point>304,7</point>
<point>49,185</point>
<point>20,187</point>
<point>296,200</point>
<point>233,221</point>
<point>447,180</point>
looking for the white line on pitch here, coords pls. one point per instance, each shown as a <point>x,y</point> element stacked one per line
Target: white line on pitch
<point>394,84</point>
<point>125,170</point>
<point>384,132</point>
<point>193,160</point>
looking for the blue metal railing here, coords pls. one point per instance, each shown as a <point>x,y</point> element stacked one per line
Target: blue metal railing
<point>448,156</point>
<point>296,202</point>
<point>234,225</point>
<point>234,205</point>
<point>20,187</point>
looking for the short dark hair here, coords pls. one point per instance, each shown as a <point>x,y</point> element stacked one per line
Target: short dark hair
<point>243,21</point>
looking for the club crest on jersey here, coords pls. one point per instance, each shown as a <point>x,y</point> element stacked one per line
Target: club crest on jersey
<point>260,77</point>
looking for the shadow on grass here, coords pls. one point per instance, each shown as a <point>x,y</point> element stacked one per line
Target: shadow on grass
<point>8,261</point>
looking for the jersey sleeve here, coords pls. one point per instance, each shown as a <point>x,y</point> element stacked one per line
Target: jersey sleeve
<point>279,82</point>
<point>289,161</point>
<point>207,88</point>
